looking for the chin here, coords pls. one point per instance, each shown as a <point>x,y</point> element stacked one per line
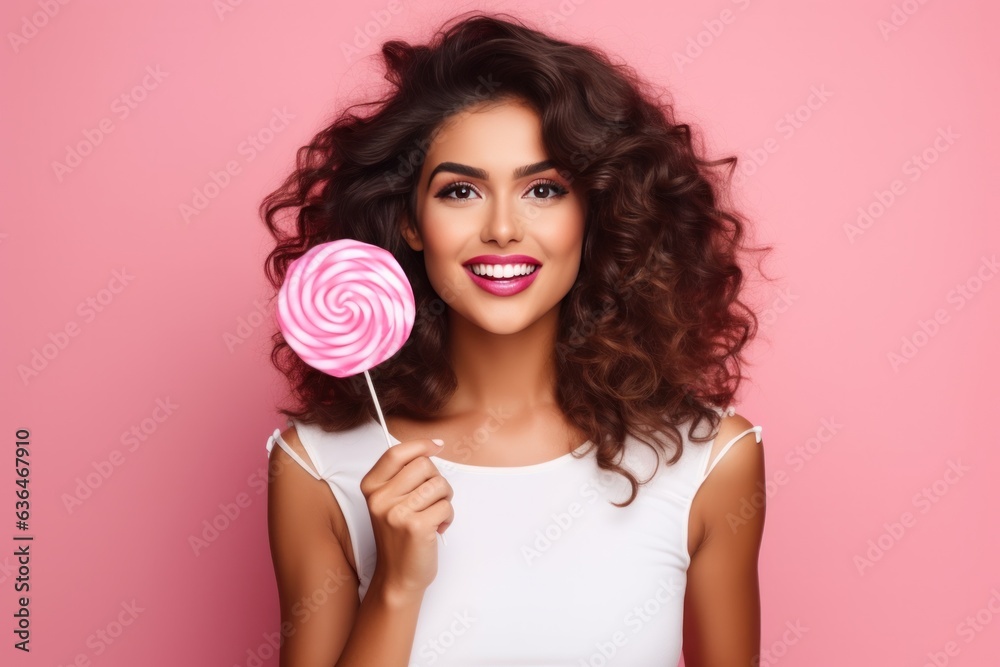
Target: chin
<point>494,322</point>
<point>501,328</point>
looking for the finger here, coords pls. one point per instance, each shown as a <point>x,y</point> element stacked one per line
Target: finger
<point>427,494</point>
<point>394,459</point>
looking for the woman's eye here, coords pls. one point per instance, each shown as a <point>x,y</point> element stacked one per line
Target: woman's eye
<point>464,191</point>
<point>454,188</point>
<point>548,187</point>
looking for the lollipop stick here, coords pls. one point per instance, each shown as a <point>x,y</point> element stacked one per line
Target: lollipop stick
<point>378,408</point>
<point>385,429</point>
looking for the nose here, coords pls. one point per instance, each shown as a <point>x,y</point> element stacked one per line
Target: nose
<point>503,223</point>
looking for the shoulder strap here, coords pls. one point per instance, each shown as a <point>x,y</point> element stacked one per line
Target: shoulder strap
<point>756,430</point>
<point>276,438</point>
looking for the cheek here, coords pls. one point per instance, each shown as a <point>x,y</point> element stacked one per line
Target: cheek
<point>567,237</point>
<point>441,251</point>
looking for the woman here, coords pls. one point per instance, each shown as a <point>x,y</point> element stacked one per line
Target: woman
<point>576,281</point>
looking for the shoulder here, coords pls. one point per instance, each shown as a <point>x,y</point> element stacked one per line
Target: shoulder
<point>291,437</point>
<point>292,489</point>
<point>281,459</point>
<point>743,456</point>
<point>290,485</point>
<point>735,482</point>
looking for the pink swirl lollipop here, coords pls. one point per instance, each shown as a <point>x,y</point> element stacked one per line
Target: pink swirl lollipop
<point>345,307</point>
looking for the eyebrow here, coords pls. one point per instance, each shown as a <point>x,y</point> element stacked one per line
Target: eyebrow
<point>483,175</point>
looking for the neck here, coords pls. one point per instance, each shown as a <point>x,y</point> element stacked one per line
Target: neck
<point>515,372</point>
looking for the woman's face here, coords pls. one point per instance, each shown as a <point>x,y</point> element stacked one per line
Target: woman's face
<point>476,212</point>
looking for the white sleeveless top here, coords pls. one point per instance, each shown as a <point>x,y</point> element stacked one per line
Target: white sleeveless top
<point>538,568</point>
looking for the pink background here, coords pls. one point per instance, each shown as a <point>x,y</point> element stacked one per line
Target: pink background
<point>852,440</point>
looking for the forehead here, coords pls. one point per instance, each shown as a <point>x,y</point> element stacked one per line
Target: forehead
<point>499,134</point>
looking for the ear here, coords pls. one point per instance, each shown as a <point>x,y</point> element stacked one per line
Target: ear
<point>410,234</point>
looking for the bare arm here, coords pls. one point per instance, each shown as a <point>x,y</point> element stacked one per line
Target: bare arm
<point>722,602</point>
<point>322,623</point>
<point>383,633</point>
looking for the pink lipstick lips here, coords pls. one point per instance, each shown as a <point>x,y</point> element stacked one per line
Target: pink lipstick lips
<point>503,275</point>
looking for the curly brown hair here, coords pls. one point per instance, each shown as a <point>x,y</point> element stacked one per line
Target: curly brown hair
<point>651,334</point>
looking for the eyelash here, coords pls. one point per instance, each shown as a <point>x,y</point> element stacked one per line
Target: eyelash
<point>451,187</point>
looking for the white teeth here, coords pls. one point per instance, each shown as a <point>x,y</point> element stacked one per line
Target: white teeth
<point>502,270</point>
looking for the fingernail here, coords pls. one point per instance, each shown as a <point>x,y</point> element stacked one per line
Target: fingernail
<point>437,441</point>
